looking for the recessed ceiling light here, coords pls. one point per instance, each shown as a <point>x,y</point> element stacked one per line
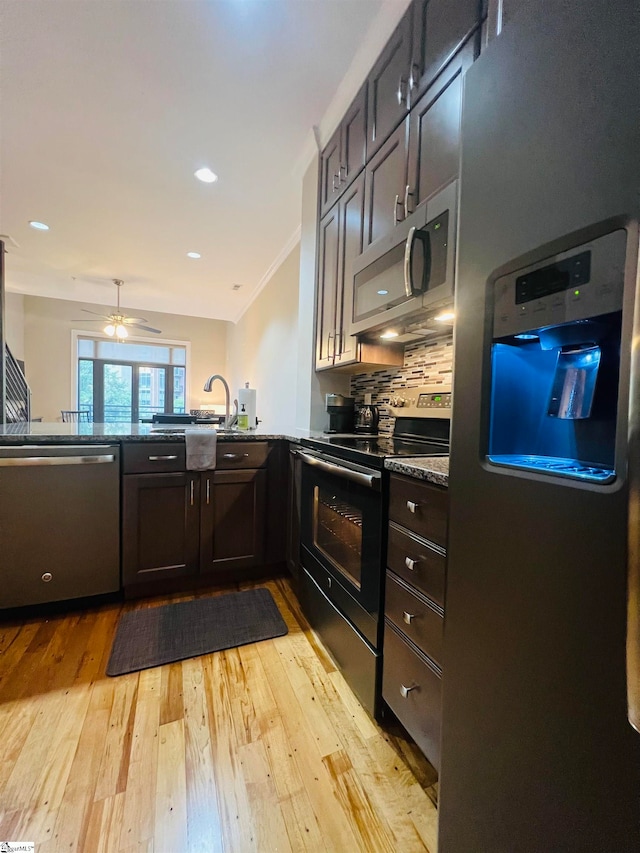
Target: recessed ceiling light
<point>39,226</point>
<point>206,175</point>
<point>389,334</point>
<point>194,255</point>
<point>382,292</point>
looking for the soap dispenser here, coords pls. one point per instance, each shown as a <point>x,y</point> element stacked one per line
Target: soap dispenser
<point>243,418</point>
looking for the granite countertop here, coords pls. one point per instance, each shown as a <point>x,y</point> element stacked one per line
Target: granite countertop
<point>434,469</point>
<point>93,433</point>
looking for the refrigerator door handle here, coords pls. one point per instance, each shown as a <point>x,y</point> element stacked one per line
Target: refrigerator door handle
<point>633,588</point>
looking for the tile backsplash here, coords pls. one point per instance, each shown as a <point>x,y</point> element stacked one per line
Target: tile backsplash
<point>426,362</point>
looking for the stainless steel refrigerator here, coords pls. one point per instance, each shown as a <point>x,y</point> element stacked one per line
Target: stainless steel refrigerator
<point>541,636</point>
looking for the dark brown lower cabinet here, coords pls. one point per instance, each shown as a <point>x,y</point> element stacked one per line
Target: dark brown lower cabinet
<point>161,526</point>
<point>213,526</point>
<point>232,520</point>
<point>414,609</point>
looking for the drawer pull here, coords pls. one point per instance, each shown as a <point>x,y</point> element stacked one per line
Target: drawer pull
<point>408,617</point>
<point>404,691</point>
<point>329,582</point>
<point>412,506</point>
<point>235,455</point>
<point>191,492</point>
<point>163,458</point>
<point>208,492</point>
<point>47,576</point>
<point>410,564</point>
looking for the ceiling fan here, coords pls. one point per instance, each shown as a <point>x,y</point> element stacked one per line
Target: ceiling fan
<point>117,322</point>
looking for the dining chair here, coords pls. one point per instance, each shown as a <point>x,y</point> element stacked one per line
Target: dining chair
<point>72,416</point>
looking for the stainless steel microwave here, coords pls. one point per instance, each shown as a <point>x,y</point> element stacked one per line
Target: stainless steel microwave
<point>409,270</point>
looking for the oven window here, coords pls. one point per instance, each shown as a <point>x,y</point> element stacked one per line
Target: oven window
<point>337,532</point>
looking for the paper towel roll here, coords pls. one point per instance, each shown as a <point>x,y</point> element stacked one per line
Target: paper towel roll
<point>247,396</point>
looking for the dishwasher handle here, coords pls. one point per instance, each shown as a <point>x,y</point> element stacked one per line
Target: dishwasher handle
<point>33,461</point>
<point>371,480</point>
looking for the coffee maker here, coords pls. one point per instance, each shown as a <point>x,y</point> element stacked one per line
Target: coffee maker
<point>340,411</point>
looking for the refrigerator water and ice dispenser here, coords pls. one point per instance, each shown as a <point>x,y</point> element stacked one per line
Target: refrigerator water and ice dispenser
<point>555,355</point>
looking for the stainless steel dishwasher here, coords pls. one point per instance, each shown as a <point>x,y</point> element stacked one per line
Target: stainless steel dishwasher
<point>59,522</point>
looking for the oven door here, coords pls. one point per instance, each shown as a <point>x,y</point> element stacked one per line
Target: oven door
<point>409,270</point>
<point>342,531</point>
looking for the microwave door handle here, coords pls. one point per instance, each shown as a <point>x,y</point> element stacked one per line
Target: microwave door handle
<point>425,238</point>
<point>408,259</point>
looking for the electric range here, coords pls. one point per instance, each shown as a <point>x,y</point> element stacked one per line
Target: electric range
<point>344,498</point>
<point>421,428</point>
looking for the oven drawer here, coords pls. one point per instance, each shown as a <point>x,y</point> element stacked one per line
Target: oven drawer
<point>415,617</point>
<point>356,660</point>
<point>364,621</point>
<point>147,457</point>
<point>412,688</point>
<point>419,507</point>
<point>418,563</point>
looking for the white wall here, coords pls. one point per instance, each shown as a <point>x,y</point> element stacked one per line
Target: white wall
<point>14,323</point>
<point>263,346</point>
<point>48,324</point>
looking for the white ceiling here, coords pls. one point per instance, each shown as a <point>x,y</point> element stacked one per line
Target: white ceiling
<point>109,106</point>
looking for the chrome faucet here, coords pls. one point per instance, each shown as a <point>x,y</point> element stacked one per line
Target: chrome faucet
<point>229,420</point>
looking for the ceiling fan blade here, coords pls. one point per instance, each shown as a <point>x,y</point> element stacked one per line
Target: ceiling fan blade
<point>146,328</point>
<point>95,314</point>
<point>128,321</point>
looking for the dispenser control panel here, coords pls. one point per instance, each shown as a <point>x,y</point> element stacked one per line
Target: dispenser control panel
<point>586,281</point>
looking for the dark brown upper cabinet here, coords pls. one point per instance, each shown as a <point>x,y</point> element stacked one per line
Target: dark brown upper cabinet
<point>389,85</point>
<point>386,186</point>
<point>327,289</point>
<point>434,133</point>
<point>350,246</point>
<point>440,29</point>
<point>345,154</point>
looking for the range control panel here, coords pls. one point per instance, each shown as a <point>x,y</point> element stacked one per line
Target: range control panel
<point>426,402</point>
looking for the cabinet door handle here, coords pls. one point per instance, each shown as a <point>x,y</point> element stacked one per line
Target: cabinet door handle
<point>340,171</point>
<point>331,337</point>
<point>404,691</point>
<point>414,77</point>
<point>235,455</point>
<point>410,564</point>
<point>192,491</point>
<point>412,506</point>
<point>329,582</point>
<point>402,91</point>
<point>408,617</point>
<point>396,204</point>
<point>208,491</point>
<point>333,183</point>
<point>162,458</point>
<point>407,195</point>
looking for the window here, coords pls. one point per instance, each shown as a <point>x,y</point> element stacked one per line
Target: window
<point>131,380</point>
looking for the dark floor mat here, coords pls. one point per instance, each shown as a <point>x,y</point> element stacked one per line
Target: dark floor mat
<point>157,635</point>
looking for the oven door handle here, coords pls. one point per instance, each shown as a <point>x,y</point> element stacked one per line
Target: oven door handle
<point>371,480</point>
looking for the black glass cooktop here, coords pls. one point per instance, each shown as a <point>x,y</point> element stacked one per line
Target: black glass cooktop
<point>373,450</point>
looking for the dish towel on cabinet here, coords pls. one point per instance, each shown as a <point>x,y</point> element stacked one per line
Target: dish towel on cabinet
<point>201,449</point>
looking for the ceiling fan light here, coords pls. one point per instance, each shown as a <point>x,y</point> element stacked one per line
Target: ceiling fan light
<point>121,331</point>
<point>110,330</point>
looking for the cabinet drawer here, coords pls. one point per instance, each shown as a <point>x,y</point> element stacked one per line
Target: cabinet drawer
<point>242,454</point>
<point>412,688</point>
<point>417,563</point>
<point>147,457</point>
<point>421,508</point>
<point>419,621</point>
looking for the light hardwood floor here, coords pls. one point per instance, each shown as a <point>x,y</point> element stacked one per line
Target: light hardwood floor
<point>260,748</point>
